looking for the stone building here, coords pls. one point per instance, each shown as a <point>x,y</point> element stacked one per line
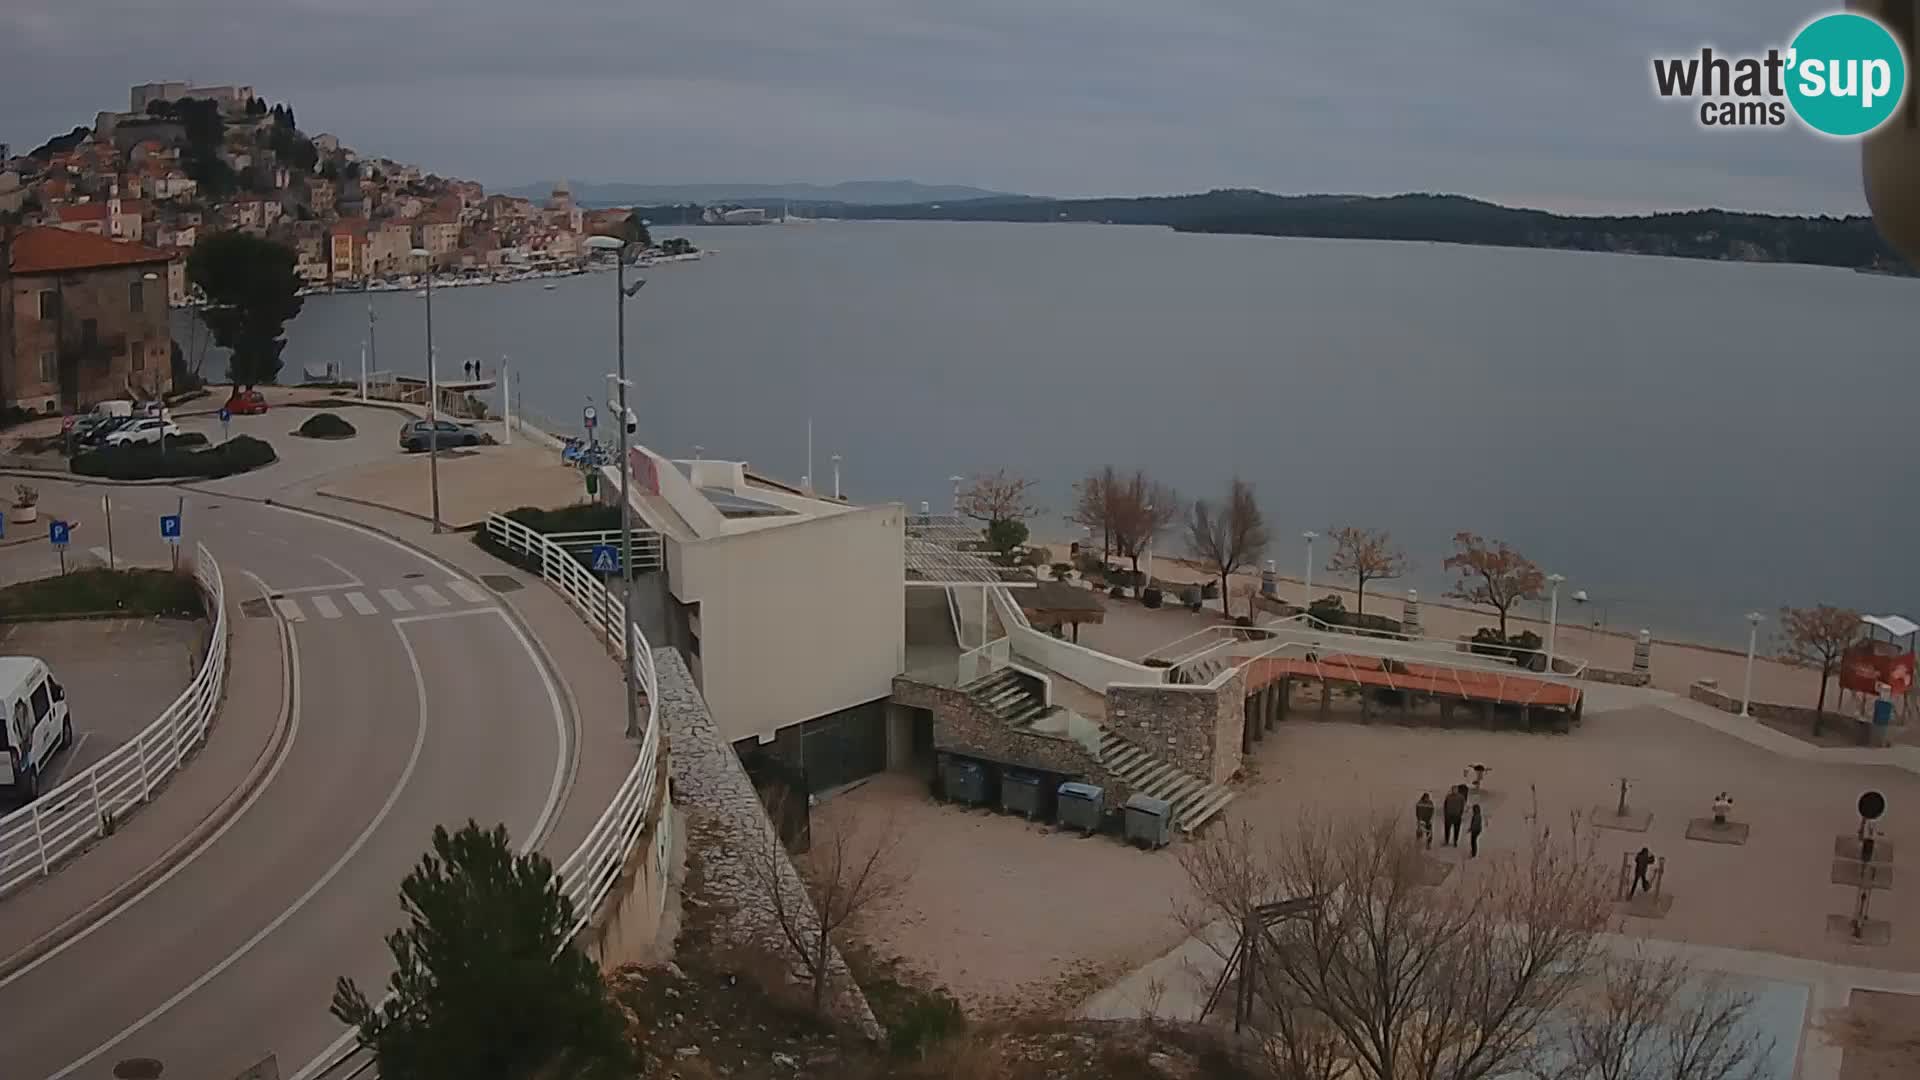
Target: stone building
<point>83,318</point>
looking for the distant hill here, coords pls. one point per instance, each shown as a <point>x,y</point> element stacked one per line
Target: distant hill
<point>850,192</point>
<point>1453,219</point>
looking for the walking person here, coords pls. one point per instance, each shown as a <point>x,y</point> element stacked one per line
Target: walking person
<point>1642,862</point>
<point>1451,810</point>
<point>1423,819</point>
<point>1474,825</point>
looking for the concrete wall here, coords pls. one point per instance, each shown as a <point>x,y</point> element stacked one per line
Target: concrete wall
<point>635,925</point>
<point>796,621</point>
<point>1197,728</point>
<point>1764,710</point>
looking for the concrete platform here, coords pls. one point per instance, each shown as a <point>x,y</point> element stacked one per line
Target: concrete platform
<point>474,482</point>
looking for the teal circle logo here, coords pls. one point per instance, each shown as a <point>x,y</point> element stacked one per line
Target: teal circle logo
<point>1846,74</point>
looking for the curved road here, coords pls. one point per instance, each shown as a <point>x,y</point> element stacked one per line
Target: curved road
<point>414,701</point>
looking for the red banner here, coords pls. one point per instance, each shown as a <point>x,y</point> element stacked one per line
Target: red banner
<point>1870,663</point>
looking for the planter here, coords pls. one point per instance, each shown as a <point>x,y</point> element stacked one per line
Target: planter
<point>23,515</point>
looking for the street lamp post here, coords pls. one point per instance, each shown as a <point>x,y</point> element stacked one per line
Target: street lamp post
<point>957,481</point>
<point>433,398</point>
<point>1309,536</point>
<point>1553,615</point>
<point>621,294</point>
<point>1753,641</point>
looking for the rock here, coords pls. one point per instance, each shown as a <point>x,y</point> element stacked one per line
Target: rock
<point>787,1060</point>
<point>673,969</point>
<point>686,1052</point>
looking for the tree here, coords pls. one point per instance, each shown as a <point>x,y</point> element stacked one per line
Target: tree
<point>634,230</point>
<point>486,979</point>
<point>1492,574</point>
<point>851,872</point>
<point>1006,535</point>
<point>1228,535</point>
<point>251,288</point>
<point>1365,555</point>
<point>1382,976</point>
<point>1142,510</point>
<point>1093,501</point>
<point>160,107</point>
<point>998,496</point>
<point>1818,637</point>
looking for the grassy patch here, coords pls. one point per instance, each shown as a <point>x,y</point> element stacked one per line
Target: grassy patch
<point>87,592</point>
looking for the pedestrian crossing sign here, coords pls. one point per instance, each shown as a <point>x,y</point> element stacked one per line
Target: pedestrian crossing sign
<point>606,559</point>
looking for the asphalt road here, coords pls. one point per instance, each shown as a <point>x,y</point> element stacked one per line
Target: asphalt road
<point>415,702</point>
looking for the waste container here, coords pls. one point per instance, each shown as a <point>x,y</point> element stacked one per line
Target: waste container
<point>1149,821</point>
<point>966,781</point>
<point>1020,793</point>
<point>1080,806</point>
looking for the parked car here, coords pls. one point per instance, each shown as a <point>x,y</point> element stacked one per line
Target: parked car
<point>93,430</point>
<point>247,403</point>
<point>419,434</point>
<point>144,430</point>
<point>34,725</point>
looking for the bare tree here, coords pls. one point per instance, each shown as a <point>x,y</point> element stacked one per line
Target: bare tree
<point>1093,500</point>
<point>1365,555</point>
<point>1493,574</point>
<point>1142,510</point>
<point>851,872</point>
<point>1646,1017</point>
<point>998,496</point>
<point>1228,535</point>
<point>1818,637</point>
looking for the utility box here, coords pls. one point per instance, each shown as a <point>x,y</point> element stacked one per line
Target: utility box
<point>1081,806</point>
<point>1149,821</point>
<point>1021,793</point>
<point>966,781</point>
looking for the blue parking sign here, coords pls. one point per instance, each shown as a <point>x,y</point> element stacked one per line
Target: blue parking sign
<point>606,559</point>
<point>170,527</point>
<point>58,532</point>
<point>226,414</point>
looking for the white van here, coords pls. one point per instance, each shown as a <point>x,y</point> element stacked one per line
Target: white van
<point>34,724</point>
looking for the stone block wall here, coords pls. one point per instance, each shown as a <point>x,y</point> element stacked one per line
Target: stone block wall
<point>961,726</point>
<point>1196,728</point>
<point>1621,678</point>
<point>1708,695</point>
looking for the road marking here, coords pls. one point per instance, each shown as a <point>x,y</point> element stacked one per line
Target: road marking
<point>52,780</point>
<point>396,600</point>
<point>432,596</point>
<point>361,604</point>
<point>289,609</point>
<point>324,604</point>
<point>467,591</point>
<point>393,797</point>
<point>344,572</point>
<point>290,653</point>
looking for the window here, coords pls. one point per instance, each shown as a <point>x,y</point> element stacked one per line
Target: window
<point>49,306</point>
<point>89,333</point>
<point>42,704</point>
<point>49,368</point>
<point>59,692</point>
<point>136,296</point>
<point>137,355</point>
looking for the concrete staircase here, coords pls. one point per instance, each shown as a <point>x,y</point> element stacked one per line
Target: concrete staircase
<point>1199,672</point>
<point>1010,696</point>
<point>1194,800</point>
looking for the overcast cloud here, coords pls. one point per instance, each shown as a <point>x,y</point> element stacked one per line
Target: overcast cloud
<point>1541,104</point>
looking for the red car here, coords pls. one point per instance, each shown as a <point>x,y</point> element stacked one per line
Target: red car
<point>246,403</point>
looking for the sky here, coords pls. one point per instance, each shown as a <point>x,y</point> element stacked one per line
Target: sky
<point>1522,102</point>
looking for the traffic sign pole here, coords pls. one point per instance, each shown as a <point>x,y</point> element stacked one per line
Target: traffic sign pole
<point>106,506</point>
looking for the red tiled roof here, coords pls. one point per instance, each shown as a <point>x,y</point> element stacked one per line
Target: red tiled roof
<point>46,250</point>
<point>87,211</point>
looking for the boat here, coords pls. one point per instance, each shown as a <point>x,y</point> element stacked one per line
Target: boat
<point>549,286</point>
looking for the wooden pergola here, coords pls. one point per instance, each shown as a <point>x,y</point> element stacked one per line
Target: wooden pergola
<point>1056,604</point>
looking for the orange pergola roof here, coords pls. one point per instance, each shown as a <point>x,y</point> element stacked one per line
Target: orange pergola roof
<point>1467,683</point>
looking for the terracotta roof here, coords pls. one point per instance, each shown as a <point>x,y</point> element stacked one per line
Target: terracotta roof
<point>87,211</point>
<point>46,250</point>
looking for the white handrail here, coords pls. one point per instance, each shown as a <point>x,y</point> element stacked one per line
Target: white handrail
<point>99,797</point>
<point>590,872</point>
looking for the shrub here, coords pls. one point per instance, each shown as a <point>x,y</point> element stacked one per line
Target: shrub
<point>930,1017</point>
<point>1521,648</point>
<point>582,517</point>
<point>1329,609</point>
<point>1089,564</point>
<point>326,425</point>
<point>91,591</point>
<point>1117,593</point>
<point>1061,570</point>
<point>1151,597</point>
<point>238,454</point>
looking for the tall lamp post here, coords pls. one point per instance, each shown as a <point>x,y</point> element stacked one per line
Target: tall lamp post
<point>957,480</point>
<point>433,397</point>
<point>1309,536</point>
<point>621,295</point>
<point>1553,615</point>
<point>1754,619</point>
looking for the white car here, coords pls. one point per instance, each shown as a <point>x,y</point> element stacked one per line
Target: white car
<point>149,429</point>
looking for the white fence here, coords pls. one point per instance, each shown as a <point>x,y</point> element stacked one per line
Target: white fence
<point>647,554</point>
<point>589,874</point>
<point>82,809</point>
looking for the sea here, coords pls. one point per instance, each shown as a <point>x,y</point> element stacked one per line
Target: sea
<point>1685,441</point>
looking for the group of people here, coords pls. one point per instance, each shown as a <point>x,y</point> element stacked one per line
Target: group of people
<point>472,368</point>
<point>1454,811</point>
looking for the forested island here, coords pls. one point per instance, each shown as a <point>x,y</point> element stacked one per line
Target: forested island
<point>1453,219</point>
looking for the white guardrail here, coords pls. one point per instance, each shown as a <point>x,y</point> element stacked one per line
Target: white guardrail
<point>87,805</point>
<point>588,875</point>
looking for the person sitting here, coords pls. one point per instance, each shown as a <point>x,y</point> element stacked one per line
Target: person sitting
<point>1722,806</point>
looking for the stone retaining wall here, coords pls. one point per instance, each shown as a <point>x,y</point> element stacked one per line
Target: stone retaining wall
<point>961,726</point>
<point>1763,710</point>
<point>1195,728</point>
<point>1620,678</point>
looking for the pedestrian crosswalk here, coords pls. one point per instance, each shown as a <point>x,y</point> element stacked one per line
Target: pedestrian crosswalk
<point>324,605</point>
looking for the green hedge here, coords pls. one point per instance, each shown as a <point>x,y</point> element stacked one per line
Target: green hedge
<point>583,517</point>
<point>176,462</point>
<point>87,592</point>
<point>326,425</point>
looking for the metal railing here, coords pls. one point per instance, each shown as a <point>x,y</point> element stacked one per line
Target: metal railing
<point>91,803</point>
<point>647,553</point>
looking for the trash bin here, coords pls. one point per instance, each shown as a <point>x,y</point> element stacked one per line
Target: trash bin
<point>1080,806</point>
<point>1020,793</point>
<point>966,782</point>
<point>1149,821</point>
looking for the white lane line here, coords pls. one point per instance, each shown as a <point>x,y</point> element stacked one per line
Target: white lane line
<point>432,596</point>
<point>290,609</point>
<point>439,615</point>
<point>324,604</point>
<point>396,599</point>
<point>344,572</point>
<point>52,780</point>
<point>290,653</point>
<point>393,797</point>
<point>468,591</point>
<point>361,604</point>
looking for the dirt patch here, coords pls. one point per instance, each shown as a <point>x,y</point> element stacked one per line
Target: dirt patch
<point>1879,1034</point>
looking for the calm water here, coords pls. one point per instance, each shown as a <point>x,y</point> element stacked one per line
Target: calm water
<point>1684,440</point>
